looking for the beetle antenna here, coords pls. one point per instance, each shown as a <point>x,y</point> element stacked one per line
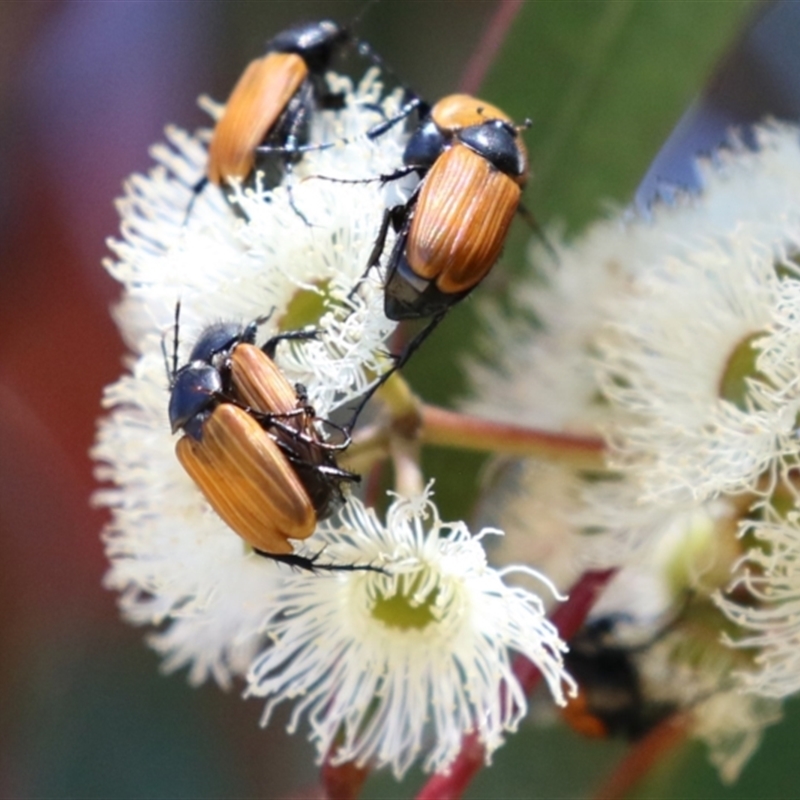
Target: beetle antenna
<point>166,358</point>
<point>366,50</point>
<point>406,109</point>
<point>534,225</point>
<point>361,13</point>
<point>171,375</point>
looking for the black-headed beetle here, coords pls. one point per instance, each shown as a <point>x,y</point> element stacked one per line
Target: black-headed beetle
<point>272,102</point>
<point>473,166</point>
<point>251,442</point>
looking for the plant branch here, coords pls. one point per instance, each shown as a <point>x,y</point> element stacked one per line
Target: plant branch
<point>343,782</point>
<point>452,429</point>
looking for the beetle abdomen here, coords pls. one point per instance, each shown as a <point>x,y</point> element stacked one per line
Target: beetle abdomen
<point>248,481</point>
<point>260,382</point>
<point>461,220</point>
<point>256,102</point>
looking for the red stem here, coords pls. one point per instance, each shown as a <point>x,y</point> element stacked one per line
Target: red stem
<point>568,618</point>
<point>343,782</point>
<point>641,758</point>
<point>492,40</point>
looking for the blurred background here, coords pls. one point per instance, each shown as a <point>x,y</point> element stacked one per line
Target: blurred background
<point>85,89</point>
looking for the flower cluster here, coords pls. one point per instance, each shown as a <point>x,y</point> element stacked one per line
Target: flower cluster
<point>676,337</point>
<point>388,664</point>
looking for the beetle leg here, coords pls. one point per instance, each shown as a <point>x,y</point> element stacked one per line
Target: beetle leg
<point>400,361</point>
<point>389,218</point>
<point>347,440</point>
<point>293,205</point>
<point>378,130</point>
<point>329,470</point>
<point>197,190</point>
<point>400,172</point>
<point>309,441</point>
<point>270,418</point>
<point>380,243</point>
<point>336,472</point>
<point>269,347</point>
<point>311,563</point>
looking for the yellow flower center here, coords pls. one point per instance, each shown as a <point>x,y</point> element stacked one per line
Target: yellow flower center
<point>741,366</point>
<point>404,611</point>
<point>306,307</point>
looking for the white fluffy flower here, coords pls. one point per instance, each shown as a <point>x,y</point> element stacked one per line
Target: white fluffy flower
<point>770,612</point>
<point>668,300</point>
<point>703,420</point>
<point>692,671</point>
<point>385,666</point>
<point>539,373</point>
<point>222,267</point>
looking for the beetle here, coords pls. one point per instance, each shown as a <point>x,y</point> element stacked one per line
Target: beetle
<point>251,444</point>
<point>473,167</point>
<point>266,118</point>
<point>272,102</point>
<point>611,700</point>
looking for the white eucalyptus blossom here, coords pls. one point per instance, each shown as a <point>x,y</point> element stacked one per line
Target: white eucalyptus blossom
<point>539,373</point>
<point>402,661</point>
<point>388,666</point>
<point>305,241</point>
<point>704,414</point>
<point>770,619</point>
<point>699,679</point>
<point>677,335</point>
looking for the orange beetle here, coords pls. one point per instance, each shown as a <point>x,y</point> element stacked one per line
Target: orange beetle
<point>473,167</point>
<point>272,102</point>
<point>451,232</point>
<point>251,443</point>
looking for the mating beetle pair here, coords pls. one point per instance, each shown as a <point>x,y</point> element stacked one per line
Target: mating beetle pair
<point>251,442</point>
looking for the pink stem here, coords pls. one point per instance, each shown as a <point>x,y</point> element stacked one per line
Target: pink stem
<point>491,41</point>
<point>568,618</point>
<point>443,427</point>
